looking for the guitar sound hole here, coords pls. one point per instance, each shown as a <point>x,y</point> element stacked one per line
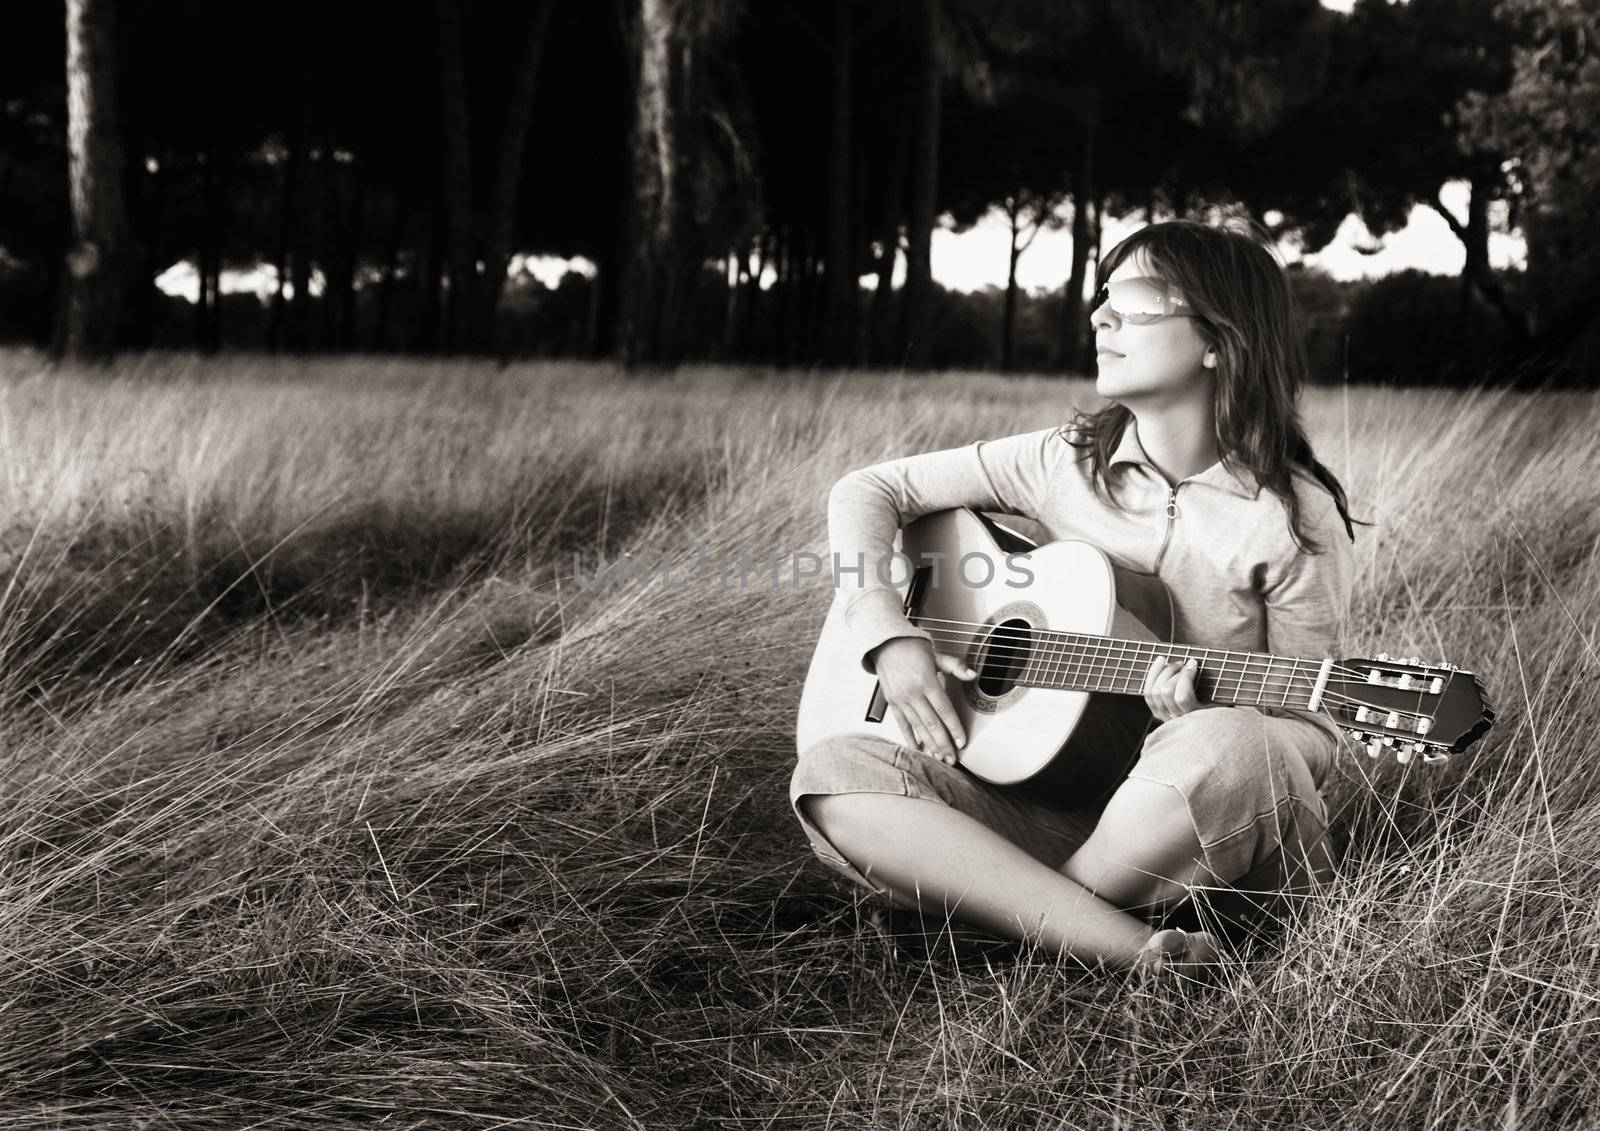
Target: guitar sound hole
<point>1009,647</point>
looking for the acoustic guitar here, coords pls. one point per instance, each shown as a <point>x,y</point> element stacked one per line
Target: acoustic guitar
<point>1061,640</point>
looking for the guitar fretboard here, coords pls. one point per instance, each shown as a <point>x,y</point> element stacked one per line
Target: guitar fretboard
<point>1074,662</point>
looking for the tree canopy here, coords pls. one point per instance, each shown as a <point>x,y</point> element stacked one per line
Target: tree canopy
<point>733,170</point>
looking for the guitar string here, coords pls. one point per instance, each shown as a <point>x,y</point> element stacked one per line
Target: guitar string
<point>1230,671</point>
<point>1056,636</point>
<point>1330,697</point>
<point>1057,649</point>
<point>1300,675</point>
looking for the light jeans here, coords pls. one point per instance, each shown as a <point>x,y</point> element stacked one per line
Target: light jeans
<point>1245,775</point>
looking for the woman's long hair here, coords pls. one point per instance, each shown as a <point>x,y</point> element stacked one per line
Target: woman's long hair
<point>1247,316</point>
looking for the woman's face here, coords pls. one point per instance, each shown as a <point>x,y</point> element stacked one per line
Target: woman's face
<point>1164,362</point>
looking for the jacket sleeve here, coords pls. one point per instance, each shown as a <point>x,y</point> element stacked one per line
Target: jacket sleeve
<point>868,506</point>
<point>1308,603</point>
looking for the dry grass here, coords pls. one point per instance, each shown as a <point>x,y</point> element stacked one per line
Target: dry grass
<point>330,798</point>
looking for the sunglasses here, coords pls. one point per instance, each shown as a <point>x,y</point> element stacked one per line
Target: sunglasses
<point>1142,300</point>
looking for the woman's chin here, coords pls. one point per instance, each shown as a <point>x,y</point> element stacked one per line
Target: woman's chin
<point>1110,385</point>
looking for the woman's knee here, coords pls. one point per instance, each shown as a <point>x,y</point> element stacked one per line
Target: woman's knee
<point>846,764</point>
<point>1215,739</point>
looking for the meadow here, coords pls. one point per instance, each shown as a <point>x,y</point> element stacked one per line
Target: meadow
<point>331,797</point>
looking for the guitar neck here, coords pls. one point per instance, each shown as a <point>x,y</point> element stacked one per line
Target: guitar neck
<point>1078,662</point>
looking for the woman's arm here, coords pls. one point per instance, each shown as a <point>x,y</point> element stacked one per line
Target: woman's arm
<point>866,507</point>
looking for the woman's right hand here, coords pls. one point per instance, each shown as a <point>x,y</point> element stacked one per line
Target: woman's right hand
<point>908,670</point>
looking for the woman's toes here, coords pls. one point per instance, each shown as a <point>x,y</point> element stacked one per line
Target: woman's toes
<point>1163,947</point>
<point>1177,949</point>
<point>1202,948</point>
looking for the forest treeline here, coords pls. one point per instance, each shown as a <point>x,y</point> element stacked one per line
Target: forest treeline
<point>746,175</point>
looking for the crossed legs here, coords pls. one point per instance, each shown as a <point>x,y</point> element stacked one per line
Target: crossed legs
<point>1141,855</point>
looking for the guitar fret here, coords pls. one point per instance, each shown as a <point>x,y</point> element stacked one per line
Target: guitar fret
<point>1237,677</point>
<point>1124,664</point>
<point>1139,661</point>
<point>1084,661</point>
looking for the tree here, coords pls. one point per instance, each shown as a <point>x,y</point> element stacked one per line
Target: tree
<point>1548,117</point>
<point>480,247</point>
<point>1016,119</point>
<point>680,181</point>
<point>839,299</point>
<point>1233,68</point>
<point>1026,215</point>
<point>1384,134</point>
<point>920,218</point>
<point>98,257</point>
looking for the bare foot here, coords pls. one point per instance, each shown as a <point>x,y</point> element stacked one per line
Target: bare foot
<point>1175,950</point>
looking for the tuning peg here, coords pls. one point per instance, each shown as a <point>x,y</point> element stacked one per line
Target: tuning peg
<point>1434,759</point>
<point>1409,750</point>
<point>1374,748</point>
<point>1383,655</point>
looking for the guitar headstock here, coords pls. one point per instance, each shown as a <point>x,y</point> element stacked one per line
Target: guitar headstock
<point>1409,706</point>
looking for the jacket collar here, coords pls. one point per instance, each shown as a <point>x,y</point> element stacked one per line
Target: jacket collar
<point>1238,482</point>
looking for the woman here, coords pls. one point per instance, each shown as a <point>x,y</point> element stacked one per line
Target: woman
<point>1198,471</point>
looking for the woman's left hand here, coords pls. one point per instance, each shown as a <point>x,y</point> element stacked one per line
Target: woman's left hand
<point>1169,688</point>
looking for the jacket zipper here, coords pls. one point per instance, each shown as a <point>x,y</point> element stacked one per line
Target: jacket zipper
<point>1172,513</point>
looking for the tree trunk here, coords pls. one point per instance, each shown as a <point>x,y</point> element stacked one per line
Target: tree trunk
<point>760,253</point>
<point>350,257</point>
<point>915,309</point>
<point>881,348</point>
<point>460,237</point>
<point>1083,191</point>
<point>142,328</point>
<point>425,329</point>
<point>1086,359</point>
<point>841,284</point>
<point>331,249</point>
<point>1008,318</point>
<point>202,265</point>
<point>782,293</point>
<point>654,178</point>
<point>730,309</point>
<point>1476,273</point>
<point>508,174</point>
<point>97,260</point>
<point>391,268</point>
<point>208,314</point>
<point>278,318</point>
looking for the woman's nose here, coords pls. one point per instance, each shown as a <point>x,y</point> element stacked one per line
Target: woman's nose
<point>1102,315</point>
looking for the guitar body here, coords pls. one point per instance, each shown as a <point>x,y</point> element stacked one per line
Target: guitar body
<point>1064,748</point>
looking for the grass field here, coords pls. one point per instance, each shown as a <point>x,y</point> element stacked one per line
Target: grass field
<point>330,797</point>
